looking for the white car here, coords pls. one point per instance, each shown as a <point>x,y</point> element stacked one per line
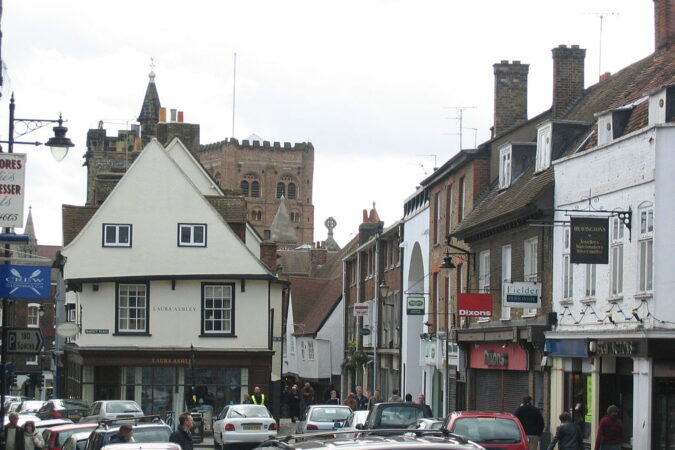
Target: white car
<point>238,424</point>
<point>143,446</point>
<point>77,441</point>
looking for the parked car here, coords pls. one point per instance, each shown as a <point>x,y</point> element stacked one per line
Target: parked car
<point>55,436</point>
<point>395,415</point>
<point>29,407</point>
<point>142,432</point>
<point>323,418</point>
<point>491,430</point>
<point>112,409</point>
<point>429,424</point>
<point>76,441</point>
<point>356,418</point>
<point>41,425</point>
<point>63,408</point>
<point>239,424</point>
<point>369,442</point>
<point>23,419</point>
<point>143,446</point>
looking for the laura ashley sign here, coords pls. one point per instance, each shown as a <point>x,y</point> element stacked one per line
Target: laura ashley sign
<point>12,175</point>
<point>589,239</point>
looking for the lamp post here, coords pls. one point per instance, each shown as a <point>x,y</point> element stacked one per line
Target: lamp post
<point>59,144</point>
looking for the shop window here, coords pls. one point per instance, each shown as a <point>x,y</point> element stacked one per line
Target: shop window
<point>281,190</point>
<point>132,308</point>
<point>255,189</point>
<point>217,309</point>
<point>191,235</point>
<point>292,191</point>
<point>243,187</point>
<point>116,235</point>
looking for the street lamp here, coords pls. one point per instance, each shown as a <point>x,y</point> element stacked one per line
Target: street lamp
<point>384,289</point>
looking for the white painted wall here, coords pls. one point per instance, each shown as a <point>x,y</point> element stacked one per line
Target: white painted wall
<point>415,231</point>
<point>332,334</point>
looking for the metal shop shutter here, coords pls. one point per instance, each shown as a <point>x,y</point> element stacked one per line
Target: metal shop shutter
<point>487,390</point>
<point>516,387</point>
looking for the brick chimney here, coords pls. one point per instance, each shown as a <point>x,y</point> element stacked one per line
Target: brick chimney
<point>510,95</point>
<point>664,24</point>
<point>568,77</point>
<point>318,257</point>
<point>268,254</point>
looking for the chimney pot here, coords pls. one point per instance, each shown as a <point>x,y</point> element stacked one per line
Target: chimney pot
<point>180,116</point>
<point>605,75</point>
<point>516,62</point>
<point>562,46</point>
<point>504,61</point>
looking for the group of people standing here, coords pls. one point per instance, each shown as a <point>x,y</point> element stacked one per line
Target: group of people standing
<point>21,438</point>
<point>569,435</point>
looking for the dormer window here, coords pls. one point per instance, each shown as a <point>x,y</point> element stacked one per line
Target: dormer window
<point>543,147</point>
<point>611,125</point>
<point>505,167</point>
<point>662,106</point>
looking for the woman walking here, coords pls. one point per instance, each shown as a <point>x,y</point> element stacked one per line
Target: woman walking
<point>568,435</point>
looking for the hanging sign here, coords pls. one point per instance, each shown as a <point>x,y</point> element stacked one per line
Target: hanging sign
<point>362,309</point>
<point>25,281</point>
<point>522,294</point>
<point>474,305</point>
<point>589,240</point>
<point>415,306</point>
<point>12,176</point>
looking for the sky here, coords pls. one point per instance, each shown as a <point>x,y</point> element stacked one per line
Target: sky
<point>374,85</point>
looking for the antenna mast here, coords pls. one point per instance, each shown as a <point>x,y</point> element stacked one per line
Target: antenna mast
<point>601,16</point>
<point>460,110</point>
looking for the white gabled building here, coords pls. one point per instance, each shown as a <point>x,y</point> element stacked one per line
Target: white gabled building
<point>174,305</point>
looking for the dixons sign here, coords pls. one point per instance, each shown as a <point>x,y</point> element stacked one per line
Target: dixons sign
<point>474,305</point>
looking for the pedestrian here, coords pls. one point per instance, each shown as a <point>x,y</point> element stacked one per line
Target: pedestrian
<point>351,401</point>
<point>285,397</point>
<point>294,405</point>
<point>182,435</point>
<point>422,400</point>
<point>327,391</point>
<point>375,399</point>
<point>610,431</point>
<point>123,435</point>
<point>567,435</point>
<point>333,399</point>
<point>307,394</point>
<point>395,397</point>
<point>31,438</point>
<point>246,400</point>
<point>13,432</point>
<point>361,400</point>
<point>532,421</point>
<point>258,398</point>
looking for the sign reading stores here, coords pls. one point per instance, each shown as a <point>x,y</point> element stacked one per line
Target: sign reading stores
<point>12,175</point>
<point>474,305</point>
<point>589,240</point>
<point>25,281</point>
<point>522,294</point>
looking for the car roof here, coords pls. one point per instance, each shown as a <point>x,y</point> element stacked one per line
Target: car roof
<point>72,426</point>
<point>430,441</point>
<point>81,436</point>
<point>498,415</point>
<point>143,445</point>
<point>116,426</point>
<point>329,406</point>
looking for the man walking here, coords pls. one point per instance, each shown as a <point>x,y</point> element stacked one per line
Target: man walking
<point>375,399</point>
<point>258,398</point>
<point>361,400</point>
<point>182,435</point>
<point>532,420</point>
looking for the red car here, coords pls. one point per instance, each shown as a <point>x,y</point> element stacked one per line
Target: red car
<point>501,431</point>
<point>55,437</point>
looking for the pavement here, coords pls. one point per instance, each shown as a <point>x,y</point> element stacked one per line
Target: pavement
<point>285,427</point>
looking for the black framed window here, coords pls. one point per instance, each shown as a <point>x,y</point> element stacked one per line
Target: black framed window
<point>116,235</point>
<point>292,191</point>
<point>132,308</point>
<point>218,309</point>
<point>281,190</point>
<point>243,186</point>
<point>192,235</point>
<point>255,189</point>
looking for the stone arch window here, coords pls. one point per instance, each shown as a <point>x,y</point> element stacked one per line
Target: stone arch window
<point>295,216</point>
<point>255,189</point>
<point>281,190</point>
<point>243,186</point>
<point>292,191</point>
<point>256,215</point>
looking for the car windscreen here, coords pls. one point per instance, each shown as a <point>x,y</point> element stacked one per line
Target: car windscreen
<point>488,430</point>
<point>72,404</point>
<point>122,407</point>
<point>61,436</point>
<point>329,414</point>
<point>400,416</point>
<point>30,407</point>
<point>248,411</point>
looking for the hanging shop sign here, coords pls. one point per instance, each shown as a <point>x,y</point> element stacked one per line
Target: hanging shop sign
<point>362,309</point>
<point>589,240</point>
<point>415,306</point>
<point>474,305</point>
<point>25,281</point>
<point>521,294</point>
<point>12,177</point>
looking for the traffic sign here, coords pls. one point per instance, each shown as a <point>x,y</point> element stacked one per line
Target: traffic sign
<point>24,340</point>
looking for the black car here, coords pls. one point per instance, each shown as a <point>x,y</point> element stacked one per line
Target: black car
<point>63,409</point>
<point>367,441</point>
<point>395,415</point>
<point>143,432</point>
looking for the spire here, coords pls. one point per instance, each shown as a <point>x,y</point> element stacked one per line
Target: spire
<point>330,243</point>
<point>282,229</point>
<point>29,229</point>
<point>151,104</point>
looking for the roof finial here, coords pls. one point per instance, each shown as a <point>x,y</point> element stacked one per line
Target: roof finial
<point>152,69</point>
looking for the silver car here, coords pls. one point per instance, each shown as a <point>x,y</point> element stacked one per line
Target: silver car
<point>113,410</point>
<point>323,418</point>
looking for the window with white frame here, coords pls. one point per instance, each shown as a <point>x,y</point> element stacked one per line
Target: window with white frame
<point>72,315</point>
<point>33,315</point>
<point>132,308</point>
<point>543,147</point>
<point>591,278</point>
<point>506,277</point>
<point>437,217</point>
<point>646,250</point>
<point>462,199</point>
<point>116,235</point>
<point>568,275</point>
<point>217,309</point>
<point>192,235</point>
<point>484,272</point>
<point>291,340</point>
<point>505,167</point>
<point>530,270</point>
<point>310,350</point>
<point>616,259</point>
<point>302,350</point>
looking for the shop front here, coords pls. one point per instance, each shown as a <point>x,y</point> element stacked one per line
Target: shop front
<point>499,375</point>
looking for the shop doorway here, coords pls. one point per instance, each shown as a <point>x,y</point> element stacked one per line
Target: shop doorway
<point>663,425</point>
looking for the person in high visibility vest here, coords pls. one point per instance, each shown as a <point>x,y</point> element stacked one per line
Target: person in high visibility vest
<point>258,398</point>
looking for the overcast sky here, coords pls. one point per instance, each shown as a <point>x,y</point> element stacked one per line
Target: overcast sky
<point>372,84</point>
